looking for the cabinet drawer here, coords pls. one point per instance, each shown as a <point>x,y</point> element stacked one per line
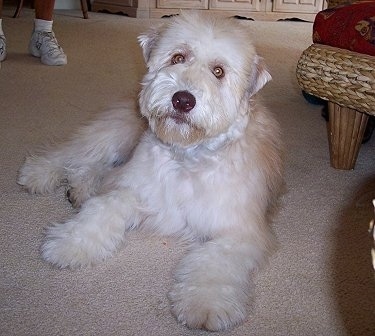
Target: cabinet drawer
<point>126,3</point>
<point>191,4</point>
<point>298,6</point>
<point>249,5</point>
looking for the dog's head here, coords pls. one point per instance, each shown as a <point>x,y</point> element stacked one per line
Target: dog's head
<point>202,73</point>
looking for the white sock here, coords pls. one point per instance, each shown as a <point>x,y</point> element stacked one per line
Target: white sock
<point>1,27</point>
<point>42,25</point>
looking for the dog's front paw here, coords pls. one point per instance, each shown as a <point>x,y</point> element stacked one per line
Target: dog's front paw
<point>212,307</point>
<point>74,246</point>
<point>66,249</point>
<point>64,252</point>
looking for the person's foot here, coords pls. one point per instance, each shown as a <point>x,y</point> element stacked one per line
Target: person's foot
<point>44,45</point>
<point>3,48</point>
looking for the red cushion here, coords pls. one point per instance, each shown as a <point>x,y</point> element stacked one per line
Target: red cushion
<point>349,27</point>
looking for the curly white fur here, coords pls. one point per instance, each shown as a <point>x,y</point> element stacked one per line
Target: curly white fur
<point>211,173</point>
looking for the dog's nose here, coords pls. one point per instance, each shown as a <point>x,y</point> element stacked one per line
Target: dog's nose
<point>183,101</point>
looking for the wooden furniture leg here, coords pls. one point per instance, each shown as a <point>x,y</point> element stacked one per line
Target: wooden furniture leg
<point>84,8</point>
<point>345,133</point>
<point>18,10</point>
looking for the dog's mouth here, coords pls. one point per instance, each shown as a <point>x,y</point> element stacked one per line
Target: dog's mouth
<point>174,119</point>
<point>179,118</point>
<point>177,128</point>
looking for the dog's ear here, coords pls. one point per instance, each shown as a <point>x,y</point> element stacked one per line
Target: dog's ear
<point>148,40</point>
<point>260,75</point>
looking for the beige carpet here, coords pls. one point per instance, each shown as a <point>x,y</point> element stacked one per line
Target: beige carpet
<point>320,281</point>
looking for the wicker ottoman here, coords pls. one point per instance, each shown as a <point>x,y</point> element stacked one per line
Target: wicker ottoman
<point>345,79</point>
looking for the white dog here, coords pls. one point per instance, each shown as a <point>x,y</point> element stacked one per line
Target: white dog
<point>203,163</point>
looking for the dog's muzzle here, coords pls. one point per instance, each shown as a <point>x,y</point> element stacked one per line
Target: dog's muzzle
<point>183,101</point>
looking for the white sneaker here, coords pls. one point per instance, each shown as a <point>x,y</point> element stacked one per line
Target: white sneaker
<point>44,45</point>
<point>3,48</point>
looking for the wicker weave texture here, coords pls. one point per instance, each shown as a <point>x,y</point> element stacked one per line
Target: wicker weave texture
<point>340,76</point>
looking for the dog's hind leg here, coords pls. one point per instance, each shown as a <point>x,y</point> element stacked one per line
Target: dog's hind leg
<point>94,233</point>
<point>82,161</point>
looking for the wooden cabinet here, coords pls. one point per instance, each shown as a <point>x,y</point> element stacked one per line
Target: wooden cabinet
<point>132,8</point>
<point>252,9</point>
<point>239,5</point>
<point>298,6</point>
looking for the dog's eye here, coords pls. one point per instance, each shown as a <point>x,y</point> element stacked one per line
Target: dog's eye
<point>218,72</point>
<point>178,58</point>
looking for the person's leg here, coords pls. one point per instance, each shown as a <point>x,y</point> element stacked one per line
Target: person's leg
<point>43,42</point>
<point>3,51</point>
<point>44,9</point>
